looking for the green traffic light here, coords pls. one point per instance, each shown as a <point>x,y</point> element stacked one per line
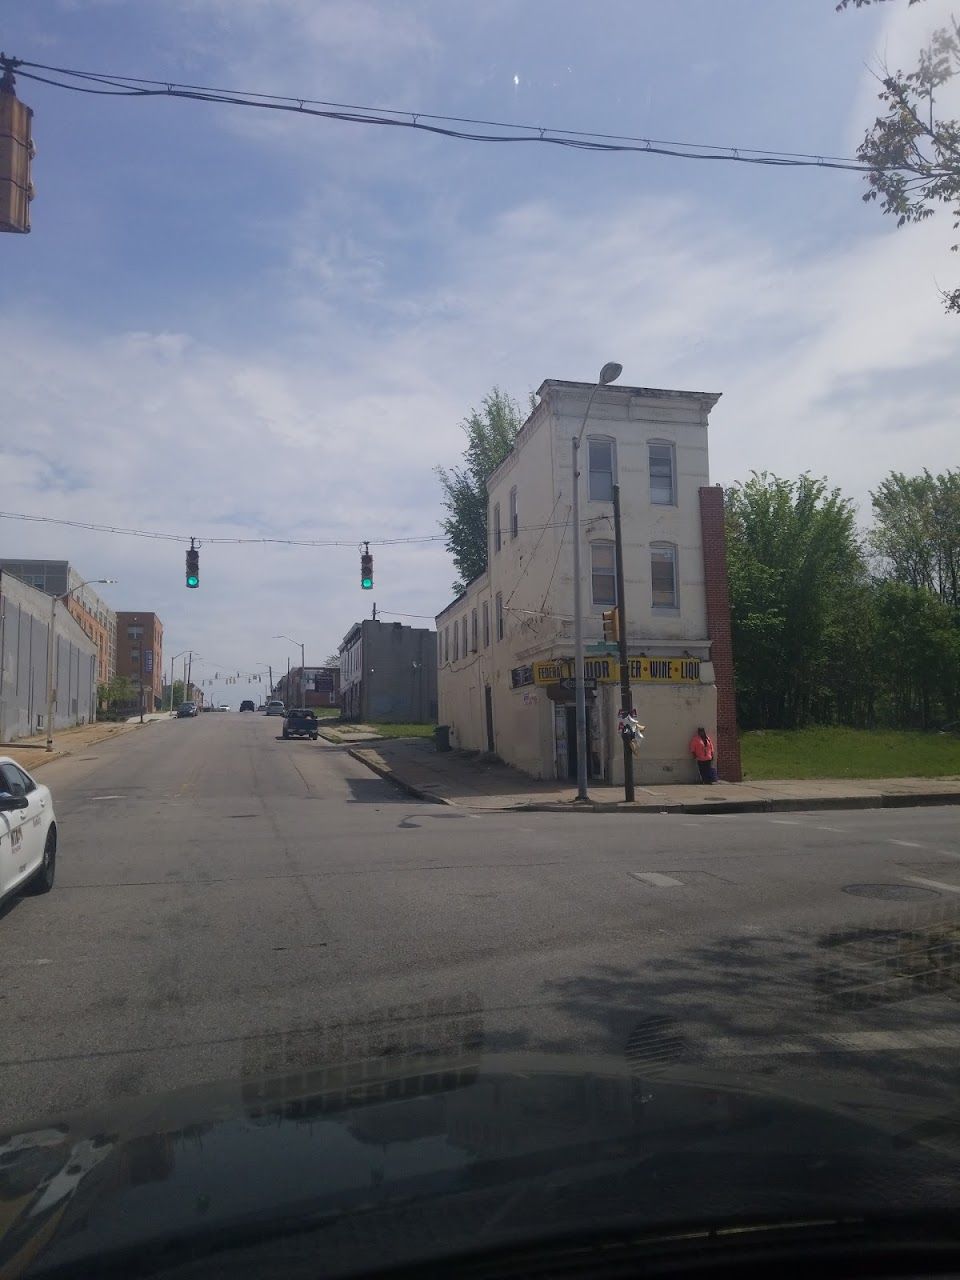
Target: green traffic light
<point>366,584</point>
<point>193,580</point>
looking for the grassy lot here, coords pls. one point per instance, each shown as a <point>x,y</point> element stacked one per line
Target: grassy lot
<point>327,713</point>
<point>849,753</point>
<point>402,730</point>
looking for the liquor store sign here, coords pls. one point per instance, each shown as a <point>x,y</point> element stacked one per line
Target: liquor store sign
<point>607,670</point>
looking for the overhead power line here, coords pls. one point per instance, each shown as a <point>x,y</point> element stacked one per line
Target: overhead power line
<point>120,531</point>
<point>463,128</point>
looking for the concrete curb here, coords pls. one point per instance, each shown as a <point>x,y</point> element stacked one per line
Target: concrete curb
<point>813,804</point>
<point>57,754</point>
<point>389,776</point>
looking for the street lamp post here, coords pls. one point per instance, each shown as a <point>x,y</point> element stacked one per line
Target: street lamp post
<point>172,661</point>
<point>300,644</point>
<point>608,373</point>
<point>52,645</point>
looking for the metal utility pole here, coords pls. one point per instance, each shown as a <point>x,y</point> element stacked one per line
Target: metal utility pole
<point>188,677</point>
<point>608,373</point>
<point>374,611</point>
<point>625,700</point>
<point>140,673</point>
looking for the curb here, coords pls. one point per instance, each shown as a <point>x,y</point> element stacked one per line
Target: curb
<point>65,754</point>
<point>389,776</point>
<point>922,799</point>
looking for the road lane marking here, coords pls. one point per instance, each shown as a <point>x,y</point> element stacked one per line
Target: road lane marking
<point>657,880</point>
<point>906,844</point>
<point>108,797</point>
<point>934,884</point>
<point>947,853</point>
<point>785,822</point>
<point>840,829</point>
<point>947,1037</point>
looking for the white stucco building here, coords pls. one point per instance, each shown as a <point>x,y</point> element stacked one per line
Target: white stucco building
<point>505,647</point>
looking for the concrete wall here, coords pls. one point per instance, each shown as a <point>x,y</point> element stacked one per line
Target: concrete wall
<point>24,624</point>
<point>400,673</point>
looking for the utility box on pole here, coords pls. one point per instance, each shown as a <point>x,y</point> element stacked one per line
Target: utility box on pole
<point>16,153</point>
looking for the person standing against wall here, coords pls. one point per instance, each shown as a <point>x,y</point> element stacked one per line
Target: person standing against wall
<point>703,751</point>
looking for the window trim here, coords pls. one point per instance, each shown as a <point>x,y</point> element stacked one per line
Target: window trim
<point>497,532</point>
<point>474,630</point>
<point>675,560</point>
<point>464,628</point>
<point>663,444</point>
<point>446,643</point>
<point>485,610</point>
<point>456,641</point>
<point>604,604</point>
<point>514,514</point>
<point>611,441</point>
<point>498,608</point>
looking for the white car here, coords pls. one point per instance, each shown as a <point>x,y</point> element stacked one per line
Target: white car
<point>28,831</point>
<point>276,708</point>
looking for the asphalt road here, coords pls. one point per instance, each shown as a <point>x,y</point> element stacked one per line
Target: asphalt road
<point>229,904</point>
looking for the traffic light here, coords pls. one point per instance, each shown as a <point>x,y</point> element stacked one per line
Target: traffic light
<point>16,152</point>
<point>366,569</point>
<point>611,625</point>
<point>193,566</point>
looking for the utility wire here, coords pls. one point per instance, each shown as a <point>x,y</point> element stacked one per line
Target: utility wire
<point>411,540</point>
<point>464,128</point>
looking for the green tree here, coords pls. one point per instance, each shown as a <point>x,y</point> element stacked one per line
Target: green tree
<point>794,561</point>
<point>491,431</point>
<point>914,152</point>
<point>916,534</point>
<point>916,655</point>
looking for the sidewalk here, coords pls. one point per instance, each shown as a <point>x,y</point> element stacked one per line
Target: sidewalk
<point>469,781</point>
<point>32,753</point>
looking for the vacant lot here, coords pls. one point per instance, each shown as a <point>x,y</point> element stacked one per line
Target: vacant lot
<point>849,753</point>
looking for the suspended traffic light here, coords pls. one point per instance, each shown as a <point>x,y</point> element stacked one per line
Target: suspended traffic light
<point>16,152</point>
<point>193,566</point>
<point>366,569</point>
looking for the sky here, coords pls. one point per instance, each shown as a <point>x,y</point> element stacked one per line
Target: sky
<point>236,323</point>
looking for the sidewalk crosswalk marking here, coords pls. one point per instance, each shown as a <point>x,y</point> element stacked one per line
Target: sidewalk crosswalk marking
<point>657,879</point>
<point>934,884</point>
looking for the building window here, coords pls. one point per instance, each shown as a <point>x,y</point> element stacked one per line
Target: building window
<point>446,644</point>
<point>497,537</point>
<point>486,624</point>
<point>514,514</point>
<point>474,632</point>
<point>464,635</point>
<point>603,570</point>
<point>601,463</point>
<point>663,575</point>
<point>134,633</point>
<point>499,612</point>
<point>456,641</point>
<point>662,475</point>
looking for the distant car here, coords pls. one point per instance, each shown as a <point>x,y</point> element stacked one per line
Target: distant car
<point>186,709</point>
<point>28,831</point>
<point>247,705</point>
<point>276,708</point>
<point>223,707</point>
<point>300,722</point>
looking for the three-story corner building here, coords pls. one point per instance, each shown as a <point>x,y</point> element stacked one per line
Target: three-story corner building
<point>505,647</point>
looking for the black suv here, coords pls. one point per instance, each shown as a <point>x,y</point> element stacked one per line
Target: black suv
<point>300,723</point>
<point>247,705</point>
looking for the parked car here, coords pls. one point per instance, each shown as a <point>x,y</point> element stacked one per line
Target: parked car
<point>224,706</point>
<point>247,705</point>
<point>28,831</point>
<point>300,722</point>
<point>186,709</point>
<point>276,708</point>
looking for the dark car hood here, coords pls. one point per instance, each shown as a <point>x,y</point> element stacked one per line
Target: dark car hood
<point>376,1164</point>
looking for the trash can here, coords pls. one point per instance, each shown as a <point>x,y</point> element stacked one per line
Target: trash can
<point>441,736</point>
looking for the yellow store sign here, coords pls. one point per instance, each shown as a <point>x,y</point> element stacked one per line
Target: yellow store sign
<point>606,670</point>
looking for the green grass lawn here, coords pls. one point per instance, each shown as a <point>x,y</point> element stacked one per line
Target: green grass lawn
<point>848,753</point>
<point>402,730</point>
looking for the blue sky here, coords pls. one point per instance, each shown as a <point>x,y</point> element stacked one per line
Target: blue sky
<point>228,322</point>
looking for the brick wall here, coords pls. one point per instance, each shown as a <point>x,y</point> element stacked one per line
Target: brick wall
<point>719,630</point>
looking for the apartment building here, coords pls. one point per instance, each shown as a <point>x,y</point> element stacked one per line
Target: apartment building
<point>388,672</point>
<point>97,620</point>
<point>505,647</point>
<point>140,655</point>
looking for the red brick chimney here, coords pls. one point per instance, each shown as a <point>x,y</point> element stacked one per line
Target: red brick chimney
<point>719,630</point>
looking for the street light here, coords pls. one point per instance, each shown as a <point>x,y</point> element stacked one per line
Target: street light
<point>51,647</point>
<point>172,661</point>
<point>302,666</point>
<point>608,373</point>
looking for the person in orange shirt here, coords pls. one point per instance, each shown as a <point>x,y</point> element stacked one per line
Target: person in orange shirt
<point>702,750</point>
